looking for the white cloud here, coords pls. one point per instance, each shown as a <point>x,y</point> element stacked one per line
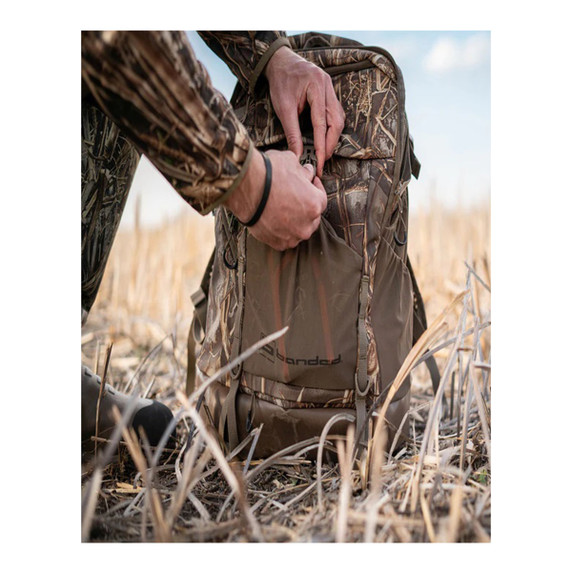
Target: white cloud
<point>448,54</point>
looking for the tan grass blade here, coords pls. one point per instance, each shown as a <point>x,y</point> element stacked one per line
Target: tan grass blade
<point>101,393</point>
<point>450,531</point>
<point>436,405</point>
<point>426,512</point>
<point>433,332</point>
<point>279,455</point>
<point>210,441</point>
<point>157,514</point>
<point>230,474</point>
<point>89,502</point>
<point>192,471</point>
<point>345,453</point>
<point>481,408</point>
<point>324,434</point>
<point>374,504</point>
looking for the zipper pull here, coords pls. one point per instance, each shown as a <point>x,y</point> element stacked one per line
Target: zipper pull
<point>309,156</point>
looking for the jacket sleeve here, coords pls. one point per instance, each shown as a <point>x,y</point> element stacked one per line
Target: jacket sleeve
<point>153,87</point>
<point>245,53</point>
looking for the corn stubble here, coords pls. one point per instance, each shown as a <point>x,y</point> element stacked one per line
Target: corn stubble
<point>437,488</point>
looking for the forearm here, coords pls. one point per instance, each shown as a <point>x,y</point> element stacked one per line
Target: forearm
<point>153,87</point>
<point>245,53</point>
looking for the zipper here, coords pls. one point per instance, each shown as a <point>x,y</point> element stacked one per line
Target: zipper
<point>402,129</point>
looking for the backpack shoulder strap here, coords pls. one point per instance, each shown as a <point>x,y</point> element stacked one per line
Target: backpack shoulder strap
<point>420,325</point>
<point>198,323</point>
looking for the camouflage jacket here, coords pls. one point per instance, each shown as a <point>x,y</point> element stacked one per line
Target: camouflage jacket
<point>153,87</point>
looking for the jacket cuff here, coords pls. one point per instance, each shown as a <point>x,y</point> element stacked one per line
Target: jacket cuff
<point>235,183</point>
<point>265,58</point>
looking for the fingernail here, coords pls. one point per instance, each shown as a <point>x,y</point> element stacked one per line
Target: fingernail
<point>310,168</point>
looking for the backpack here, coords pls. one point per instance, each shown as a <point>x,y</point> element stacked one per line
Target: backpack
<point>348,294</point>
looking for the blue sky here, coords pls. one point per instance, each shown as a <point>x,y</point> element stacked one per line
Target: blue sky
<point>447,79</point>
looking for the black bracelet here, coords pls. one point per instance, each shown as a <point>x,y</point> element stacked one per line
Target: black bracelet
<point>265,193</point>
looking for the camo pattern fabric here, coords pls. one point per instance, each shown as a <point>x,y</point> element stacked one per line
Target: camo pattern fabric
<point>371,98</point>
<point>292,396</point>
<point>222,319</point>
<point>361,185</point>
<point>154,88</point>
<point>108,164</point>
<point>245,53</point>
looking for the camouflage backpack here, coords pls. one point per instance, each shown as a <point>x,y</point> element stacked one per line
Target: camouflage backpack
<point>347,295</point>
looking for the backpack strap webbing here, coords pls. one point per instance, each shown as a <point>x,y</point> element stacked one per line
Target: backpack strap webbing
<point>229,414</point>
<point>200,302</point>
<point>196,335</point>
<point>420,325</point>
<point>414,161</point>
<point>362,384</point>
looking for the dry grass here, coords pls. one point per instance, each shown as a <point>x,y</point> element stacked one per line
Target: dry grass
<point>435,489</point>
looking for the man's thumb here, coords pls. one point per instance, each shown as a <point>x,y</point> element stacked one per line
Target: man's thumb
<point>311,171</point>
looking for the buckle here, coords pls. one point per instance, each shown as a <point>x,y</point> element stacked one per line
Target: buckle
<point>198,297</point>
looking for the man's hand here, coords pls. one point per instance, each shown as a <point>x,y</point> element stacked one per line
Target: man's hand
<point>297,200</point>
<point>293,82</point>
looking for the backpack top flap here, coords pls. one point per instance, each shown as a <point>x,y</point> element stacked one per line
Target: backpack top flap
<point>370,87</point>
<point>364,96</point>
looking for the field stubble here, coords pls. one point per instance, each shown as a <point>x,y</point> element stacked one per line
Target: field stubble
<point>436,488</point>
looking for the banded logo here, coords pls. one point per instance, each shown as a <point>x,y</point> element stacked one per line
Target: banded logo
<point>271,353</point>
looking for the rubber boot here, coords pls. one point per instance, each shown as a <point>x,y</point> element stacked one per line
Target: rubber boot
<point>150,415</point>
